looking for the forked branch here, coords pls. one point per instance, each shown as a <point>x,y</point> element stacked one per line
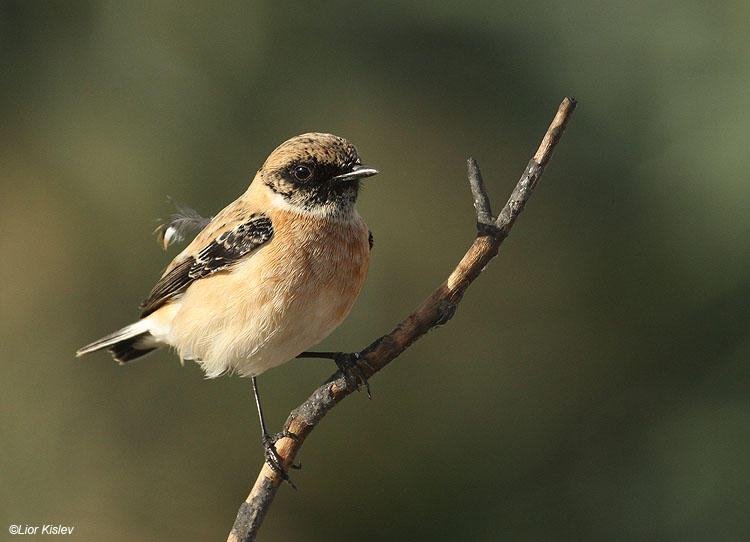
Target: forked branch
<point>435,311</point>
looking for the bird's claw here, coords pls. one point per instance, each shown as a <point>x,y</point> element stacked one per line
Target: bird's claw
<point>272,457</point>
<point>350,365</point>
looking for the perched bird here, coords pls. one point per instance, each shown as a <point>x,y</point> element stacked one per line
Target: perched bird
<point>269,276</point>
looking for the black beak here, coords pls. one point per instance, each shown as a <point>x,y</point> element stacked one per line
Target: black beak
<point>357,172</point>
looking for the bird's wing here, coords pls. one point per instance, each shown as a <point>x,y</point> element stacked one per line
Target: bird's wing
<point>220,254</point>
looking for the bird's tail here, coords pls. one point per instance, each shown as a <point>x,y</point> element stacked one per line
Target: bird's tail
<point>126,344</point>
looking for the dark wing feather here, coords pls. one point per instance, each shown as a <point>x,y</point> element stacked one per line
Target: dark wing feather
<point>219,254</point>
<point>171,284</point>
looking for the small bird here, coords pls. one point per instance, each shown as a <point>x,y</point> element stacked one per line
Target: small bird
<point>272,274</point>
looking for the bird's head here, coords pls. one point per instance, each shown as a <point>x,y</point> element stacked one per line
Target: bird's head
<point>317,173</point>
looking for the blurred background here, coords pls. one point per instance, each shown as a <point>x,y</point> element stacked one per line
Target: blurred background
<point>594,382</point>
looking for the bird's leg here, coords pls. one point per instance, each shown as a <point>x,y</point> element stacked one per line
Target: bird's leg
<point>270,454</point>
<point>348,363</point>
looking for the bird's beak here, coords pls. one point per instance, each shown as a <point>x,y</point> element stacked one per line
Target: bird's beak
<point>357,172</point>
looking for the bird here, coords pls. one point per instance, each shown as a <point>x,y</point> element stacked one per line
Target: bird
<point>269,276</point>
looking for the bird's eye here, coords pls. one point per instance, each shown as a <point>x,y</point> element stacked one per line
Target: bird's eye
<point>302,173</point>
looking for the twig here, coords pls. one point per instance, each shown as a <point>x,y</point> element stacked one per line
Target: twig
<point>485,219</point>
<point>435,311</point>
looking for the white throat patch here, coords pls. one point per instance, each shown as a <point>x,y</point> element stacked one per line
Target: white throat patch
<point>337,214</point>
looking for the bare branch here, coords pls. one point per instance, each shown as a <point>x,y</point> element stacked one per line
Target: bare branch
<point>434,311</point>
<point>482,205</point>
<point>555,131</point>
<point>526,184</point>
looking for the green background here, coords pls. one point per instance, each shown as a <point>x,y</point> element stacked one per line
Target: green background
<point>593,384</point>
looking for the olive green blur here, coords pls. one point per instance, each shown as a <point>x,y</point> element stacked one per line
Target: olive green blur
<point>594,383</point>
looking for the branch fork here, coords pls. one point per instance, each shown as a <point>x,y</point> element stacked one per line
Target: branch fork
<point>435,311</point>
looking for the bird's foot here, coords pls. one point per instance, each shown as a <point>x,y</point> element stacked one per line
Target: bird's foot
<point>350,364</point>
<point>272,457</point>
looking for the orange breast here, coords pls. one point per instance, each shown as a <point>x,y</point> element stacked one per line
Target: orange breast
<point>320,257</point>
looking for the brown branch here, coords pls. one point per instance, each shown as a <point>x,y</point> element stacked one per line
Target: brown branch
<point>435,311</point>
